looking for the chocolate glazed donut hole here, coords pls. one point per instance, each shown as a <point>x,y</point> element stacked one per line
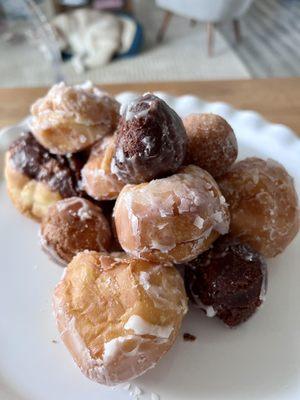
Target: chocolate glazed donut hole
<point>151,141</point>
<point>36,178</point>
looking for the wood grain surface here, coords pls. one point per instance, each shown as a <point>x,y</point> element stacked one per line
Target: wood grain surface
<point>278,100</point>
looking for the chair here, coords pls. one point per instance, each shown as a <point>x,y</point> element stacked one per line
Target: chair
<point>209,11</point>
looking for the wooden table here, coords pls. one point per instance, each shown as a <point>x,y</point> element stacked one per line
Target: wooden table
<point>278,100</point>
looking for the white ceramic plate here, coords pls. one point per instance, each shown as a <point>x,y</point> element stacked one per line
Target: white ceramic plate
<point>258,360</point>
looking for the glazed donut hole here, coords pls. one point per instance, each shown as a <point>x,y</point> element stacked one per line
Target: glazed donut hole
<point>71,118</point>
<point>71,226</point>
<point>212,144</point>
<point>151,141</point>
<point>263,204</point>
<point>97,179</point>
<point>171,219</point>
<point>117,315</point>
<point>228,281</point>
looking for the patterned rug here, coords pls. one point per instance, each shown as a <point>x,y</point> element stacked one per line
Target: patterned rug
<point>271,38</point>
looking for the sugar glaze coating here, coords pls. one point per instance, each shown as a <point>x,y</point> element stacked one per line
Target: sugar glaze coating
<point>71,118</point>
<point>171,219</point>
<point>263,204</point>
<point>97,178</point>
<point>212,144</point>
<point>118,316</point>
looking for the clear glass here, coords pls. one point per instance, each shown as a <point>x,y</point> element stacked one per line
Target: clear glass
<point>29,54</point>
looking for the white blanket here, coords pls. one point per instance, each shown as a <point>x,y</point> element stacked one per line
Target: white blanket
<point>92,36</point>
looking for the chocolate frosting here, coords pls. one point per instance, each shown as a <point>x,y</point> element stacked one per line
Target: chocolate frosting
<point>151,141</point>
<point>230,280</point>
<point>60,173</point>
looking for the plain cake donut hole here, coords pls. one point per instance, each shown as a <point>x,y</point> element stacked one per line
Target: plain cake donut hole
<point>263,204</point>
<point>71,226</point>
<point>212,144</point>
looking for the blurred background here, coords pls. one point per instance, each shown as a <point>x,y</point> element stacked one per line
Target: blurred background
<point>110,41</point>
